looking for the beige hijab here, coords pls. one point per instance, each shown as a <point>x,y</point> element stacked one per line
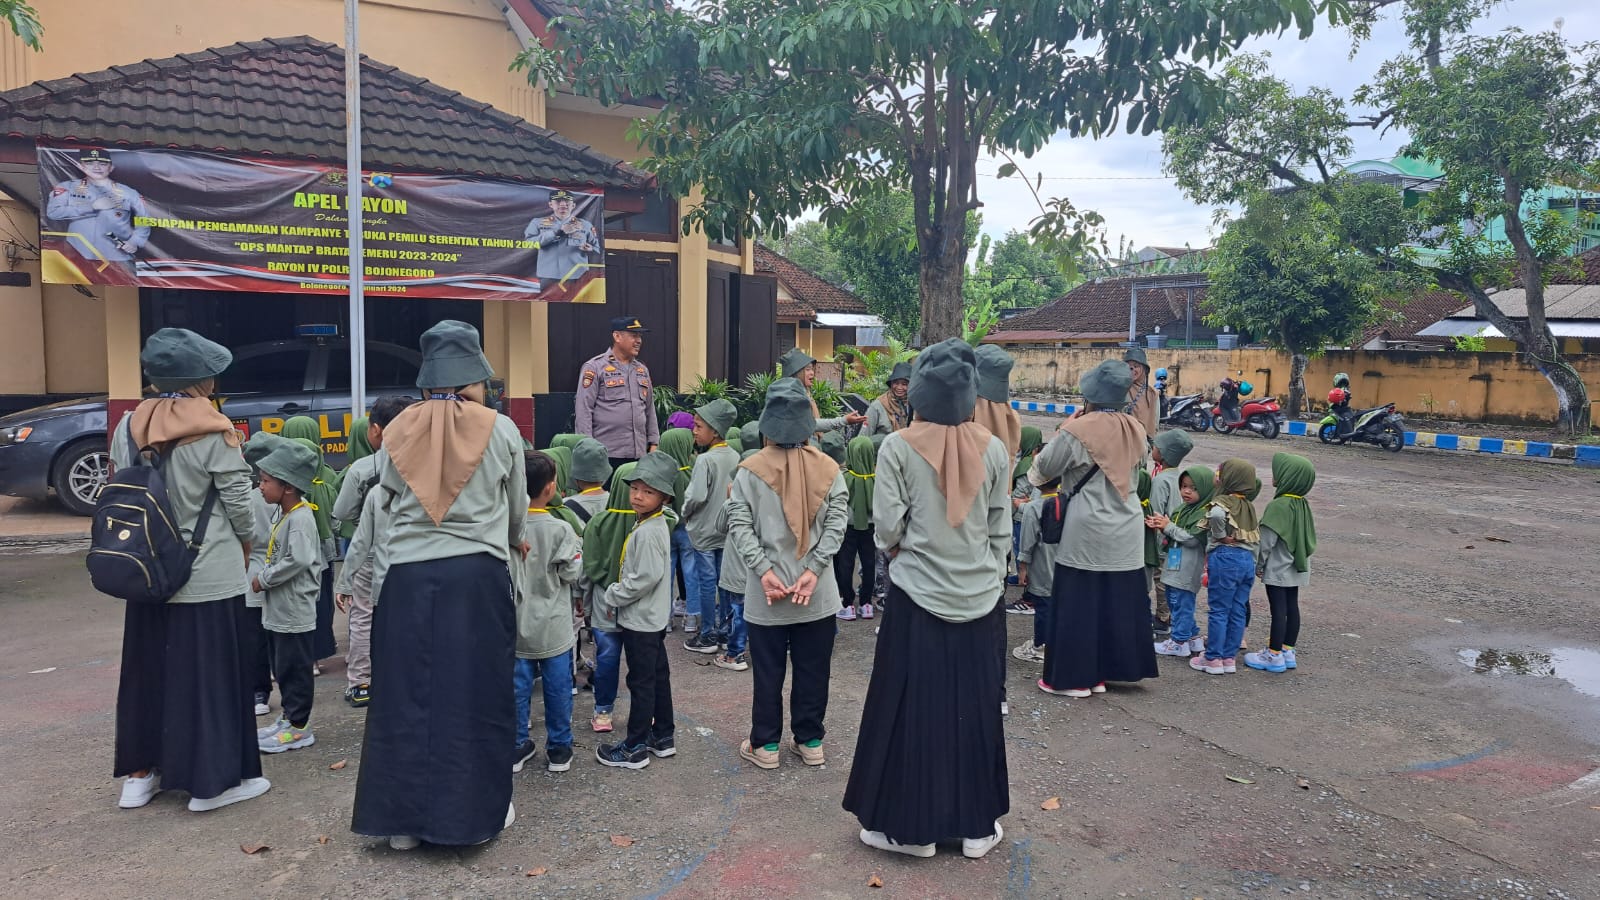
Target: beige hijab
<point>1002,422</point>
<point>1116,442</point>
<point>899,410</point>
<point>165,422</point>
<point>437,445</point>
<point>801,477</point>
<point>956,454</point>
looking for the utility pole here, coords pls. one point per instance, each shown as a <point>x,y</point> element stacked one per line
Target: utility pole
<point>352,110</point>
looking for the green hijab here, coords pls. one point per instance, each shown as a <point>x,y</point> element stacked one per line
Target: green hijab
<point>1289,513</point>
<point>323,492</point>
<point>1032,440</point>
<point>562,457</point>
<point>735,440</point>
<point>678,443</point>
<point>1152,540</point>
<point>860,474</point>
<point>359,447</point>
<point>1236,483</point>
<point>608,528</point>
<point>568,441</point>
<point>1193,515</point>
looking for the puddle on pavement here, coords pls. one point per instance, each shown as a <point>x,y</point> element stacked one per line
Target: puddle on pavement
<point>1574,665</point>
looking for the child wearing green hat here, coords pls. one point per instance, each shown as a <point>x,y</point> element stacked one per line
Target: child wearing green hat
<point>291,580</point>
<point>1288,538</point>
<point>1235,534</point>
<point>1168,452</point>
<point>703,499</point>
<point>1183,559</point>
<point>642,598</point>
<point>542,584</point>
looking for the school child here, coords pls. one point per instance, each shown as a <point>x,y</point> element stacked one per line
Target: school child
<point>678,444</point>
<point>1036,569</point>
<point>1168,452</point>
<point>353,588</point>
<point>603,542</point>
<point>1231,562</point>
<point>642,597</point>
<point>1022,491</point>
<point>322,496</point>
<point>704,497</point>
<point>291,579</point>
<point>861,463</point>
<point>731,582</point>
<point>1288,538</point>
<point>542,584</point>
<point>591,469</point>
<point>259,651</point>
<point>1185,534</point>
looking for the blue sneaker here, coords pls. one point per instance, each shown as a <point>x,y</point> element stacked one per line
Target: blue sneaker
<point>1266,661</point>
<point>1288,657</point>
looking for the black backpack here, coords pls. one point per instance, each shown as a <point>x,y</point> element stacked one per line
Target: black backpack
<point>1054,517</point>
<point>137,552</point>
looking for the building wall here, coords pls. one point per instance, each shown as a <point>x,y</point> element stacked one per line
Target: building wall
<point>1470,387</point>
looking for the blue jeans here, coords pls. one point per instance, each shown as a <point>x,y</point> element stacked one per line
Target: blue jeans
<point>1041,618</point>
<point>682,549</point>
<point>556,673</point>
<point>1233,572</point>
<point>1181,602</point>
<point>700,579</point>
<point>607,668</point>
<point>738,637</point>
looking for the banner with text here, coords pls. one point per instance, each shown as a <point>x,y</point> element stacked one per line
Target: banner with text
<point>176,219</point>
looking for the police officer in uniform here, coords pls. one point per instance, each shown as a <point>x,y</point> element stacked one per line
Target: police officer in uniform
<point>567,244</point>
<point>615,406</point>
<point>99,212</point>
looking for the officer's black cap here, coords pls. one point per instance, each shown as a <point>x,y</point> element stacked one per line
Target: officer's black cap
<point>561,195</point>
<point>93,154</point>
<point>628,323</point>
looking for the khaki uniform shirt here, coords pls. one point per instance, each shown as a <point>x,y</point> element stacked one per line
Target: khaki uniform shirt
<point>292,575</point>
<point>1144,404</point>
<point>1104,531</point>
<point>762,539</point>
<point>615,406</point>
<point>543,583</point>
<point>642,595</point>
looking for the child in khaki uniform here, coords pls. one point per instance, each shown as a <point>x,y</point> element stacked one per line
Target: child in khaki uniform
<point>542,582</point>
<point>291,580</point>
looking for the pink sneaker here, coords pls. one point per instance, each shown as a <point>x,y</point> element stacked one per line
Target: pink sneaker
<point>1229,665</point>
<point>848,614</point>
<point>1208,666</point>
<point>866,610</point>
<point>1077,693</point>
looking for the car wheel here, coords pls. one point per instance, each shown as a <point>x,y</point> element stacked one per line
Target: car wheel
<point>79,473</point>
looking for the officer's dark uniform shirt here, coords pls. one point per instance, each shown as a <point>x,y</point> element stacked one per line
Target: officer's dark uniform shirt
<point>615,406</point>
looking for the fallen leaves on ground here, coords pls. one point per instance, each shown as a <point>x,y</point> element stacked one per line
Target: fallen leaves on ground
<point>323,839</point>
<point>875,882</point>
<point>1237,780</point>
<point>339,765</point>
<point>253,849</point>
<point>621,840</point>
<point>1495,539</point>
<point>1052,803</point>
<point>536,872</point>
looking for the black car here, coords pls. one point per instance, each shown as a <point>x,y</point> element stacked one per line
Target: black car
<point>62,447</point>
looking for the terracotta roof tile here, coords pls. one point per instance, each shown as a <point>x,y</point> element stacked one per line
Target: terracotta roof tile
<point>285,97</point>
<point>1410,314</point>
<point>812,294</point>
<point>1102,308</point>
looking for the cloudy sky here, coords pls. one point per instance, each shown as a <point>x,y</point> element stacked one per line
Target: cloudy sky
<point>1121,176</point>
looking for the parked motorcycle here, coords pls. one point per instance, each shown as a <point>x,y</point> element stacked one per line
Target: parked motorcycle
<point>1188,411</point>
<point>1263,416</point>
<point>1380,426</point>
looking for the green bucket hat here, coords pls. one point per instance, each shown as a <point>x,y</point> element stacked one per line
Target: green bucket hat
<point>944,384</point>
<point>833,444</point>
<point>259,445</point>
<point>1136,354</point>
<point>590,462</point>
<point>795,360</point>
<point>750,437</point>
<point>1174,447</point>
<point>719,414</point>
<point>175,358</point>
<point>1107,384</point>
<point>787,418</point>
<point>293,463</point>
<point>658,470</point>
<point>901,372</point>
<point>452,356</point>
<point>994,373</point>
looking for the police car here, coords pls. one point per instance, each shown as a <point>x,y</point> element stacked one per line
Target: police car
<point>61,448</point>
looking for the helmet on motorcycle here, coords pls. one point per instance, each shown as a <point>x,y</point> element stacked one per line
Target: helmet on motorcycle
<point>1161,372</point>
<point>1338,395</point>
<point>1341,380</point>
<point>1245,388</point>
<point>1226,384</point>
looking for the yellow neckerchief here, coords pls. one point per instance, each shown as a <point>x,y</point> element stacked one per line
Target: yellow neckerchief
<point>715,446</point>
<point>624,557</point>
<point>272,536</point>
<point>594,490</point>
<point>1050,495</point>
<point>1295,496</point>
<point>859,475</point>
<point>538,509</point>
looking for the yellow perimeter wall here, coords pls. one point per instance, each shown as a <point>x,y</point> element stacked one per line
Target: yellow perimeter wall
<point>1469,387</point>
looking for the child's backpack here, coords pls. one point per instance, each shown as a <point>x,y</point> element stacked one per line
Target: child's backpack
<point>1054,517</point>
<point>137,552</point>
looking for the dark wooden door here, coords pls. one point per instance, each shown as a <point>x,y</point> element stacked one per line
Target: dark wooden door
<point>756,320</point>
<point>719,330</point>
<point>637,284</point>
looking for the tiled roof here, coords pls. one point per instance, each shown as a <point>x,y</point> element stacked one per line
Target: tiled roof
<point>285,97</point>
<point>1102,307</point>
<point>1045,336</point>
<point>811,294</point>
<point>1407,315</point>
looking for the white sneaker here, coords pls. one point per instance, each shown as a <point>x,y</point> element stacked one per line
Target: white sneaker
<point>880,841</point>
<point>1197,645</point>
<point>1005,708</point>
<point>1170,647</point>
<point>245,790</point>
<point>277,725</point>
<point>975,849</point>
<point>1027,652</point>
<point>262,709</point>
<point>136,792</point>
<point>847,614</point>
<point>403,842</point>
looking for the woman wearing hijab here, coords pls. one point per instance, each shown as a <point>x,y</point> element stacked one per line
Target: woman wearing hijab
<point>323,495</point>
<point>892,410</point>
<point>786,518</point>
<point>1288,538</point>
<point>1101,614</point>
<point>993,411</point>
<point>434,764</point>
<point>185,720</point>
<point>930,762</point>
<point>800,365</point>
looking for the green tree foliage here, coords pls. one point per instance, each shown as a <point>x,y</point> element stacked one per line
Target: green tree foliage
<point>875,245</point>
<point>1014,272</point>
<point>1282,272</point>
<point>24,22</point>
<point>806,243</point>
<point>776,109</point>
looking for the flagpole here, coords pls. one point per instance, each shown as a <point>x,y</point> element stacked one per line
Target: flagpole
<point>352,106</point>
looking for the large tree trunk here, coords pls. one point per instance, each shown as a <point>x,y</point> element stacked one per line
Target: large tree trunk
<point>942,277</point>
<point>1297,384</point>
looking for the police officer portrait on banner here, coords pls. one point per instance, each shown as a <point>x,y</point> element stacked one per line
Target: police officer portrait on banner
<point>99,213</point>
<point>615,401</point>
<point>568,244</point>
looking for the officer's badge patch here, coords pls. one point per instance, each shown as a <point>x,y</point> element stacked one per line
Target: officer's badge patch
<point>588,378</point>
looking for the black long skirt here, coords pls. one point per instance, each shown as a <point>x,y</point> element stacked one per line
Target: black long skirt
<point>1099,629</point>
<point>436,760</point>
<point>930,762</point>
<point>183,698</point>
<point>323,644</point>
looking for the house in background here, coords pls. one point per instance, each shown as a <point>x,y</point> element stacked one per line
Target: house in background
<point>814,314</point>
<point>1404,320</point>
<point>1097,314</point>
<point>1571,307</point>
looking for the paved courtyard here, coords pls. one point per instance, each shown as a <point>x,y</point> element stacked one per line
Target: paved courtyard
<point>1441,738</point>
